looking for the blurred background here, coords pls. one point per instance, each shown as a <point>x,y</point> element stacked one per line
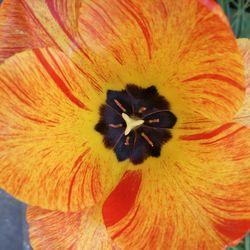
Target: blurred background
<point>13,227</point>
<point>238,13</point>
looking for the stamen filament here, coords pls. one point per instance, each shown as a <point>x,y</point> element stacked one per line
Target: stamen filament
<point>115,125</point>
<point>119,105</point>
<point>142,109</point>
<point>127,141</point>
<point>154,121</point>
<point>147,139</point>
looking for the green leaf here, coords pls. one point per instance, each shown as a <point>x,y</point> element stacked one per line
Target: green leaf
<point>238,247</point>
<point>238,16</point>
<point>247,242</point>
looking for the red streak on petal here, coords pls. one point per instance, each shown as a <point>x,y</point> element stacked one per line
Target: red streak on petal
<point>127,226</point>
<point>33,119</point>
<point>96,186</point>
<point>164,8</point>
<point>141,21</point>
<point>13,91</point>
<point>72,247</point>
<point>225,137</point>
<point>36,20</point>
<point>219,96</point>
<point>59,82</point>
<point>209,3</point>
<point>233,228</point>
<point>207,135</point>
<point>217,77</point>
<point>77,164</point>
<point>122,198</point>
<point>54,13</point>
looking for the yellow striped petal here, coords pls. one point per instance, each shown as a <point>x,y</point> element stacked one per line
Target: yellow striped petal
<point>19,30</point>
<point>195,197</point>
<point>243,115</point>
<point>50,154</point>
<point>54,230</point>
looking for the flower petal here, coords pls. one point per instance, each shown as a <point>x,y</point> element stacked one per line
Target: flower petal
<point>243,115</point>
<point>59,19</point>
<point>216,8</point>
<point>195,197</point>
<point>236,243</point>
<point>190,67</point>
<point>63,14</point>
<point>57,230</point>
<point>50,153</point>
<point>19,30</point>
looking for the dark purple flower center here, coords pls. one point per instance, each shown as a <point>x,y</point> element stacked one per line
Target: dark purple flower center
<point>135,123</point>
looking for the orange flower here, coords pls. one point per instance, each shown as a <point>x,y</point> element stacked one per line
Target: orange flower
<point>126,131</point>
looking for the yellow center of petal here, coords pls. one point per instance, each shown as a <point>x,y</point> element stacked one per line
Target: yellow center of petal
<point>131,123</point>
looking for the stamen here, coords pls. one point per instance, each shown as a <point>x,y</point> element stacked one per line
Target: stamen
<point>147,139</point>
<point>142,109</point>
<point>135,123</point>
<point>115,125</point>
<point>127,141</point>
<point>154,121</point>
<point>119,105</point>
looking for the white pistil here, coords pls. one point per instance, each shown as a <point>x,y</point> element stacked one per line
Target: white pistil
<point>131,123</point>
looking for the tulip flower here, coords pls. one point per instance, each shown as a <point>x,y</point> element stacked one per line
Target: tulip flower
<point>124,124</point>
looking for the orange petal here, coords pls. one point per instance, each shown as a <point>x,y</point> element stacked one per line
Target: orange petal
<point>235,242</point>
<point>51,155</point>
<point>216,8</point>
<point>54,230</point>
<point>222,180</point>
<point>59,20</point>
<point>122,199</point>
<point>190,67</point>
<point>65,12</point>
<point>55,14</point>
<point>19,30</point>
<point>243,115</point>
<point>195,197</point>
<point>211,4</point>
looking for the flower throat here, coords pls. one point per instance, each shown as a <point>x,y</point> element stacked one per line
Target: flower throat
<point>135,123</point>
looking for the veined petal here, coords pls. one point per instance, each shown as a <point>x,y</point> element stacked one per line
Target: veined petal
<point>59,20</point>
<point>190,67</point>
<point>65,12</point>
<point>235,243</point>
<point>195,197</point>
<point>19,30</point>
<point>222,179</point>
<point>216,8</point>
<point>54,230</point>
<point>243,115</point>
<point>50,154</point>
<point>209,3</point>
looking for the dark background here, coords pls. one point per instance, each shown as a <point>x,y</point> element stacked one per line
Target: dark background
<point>13,227</point>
